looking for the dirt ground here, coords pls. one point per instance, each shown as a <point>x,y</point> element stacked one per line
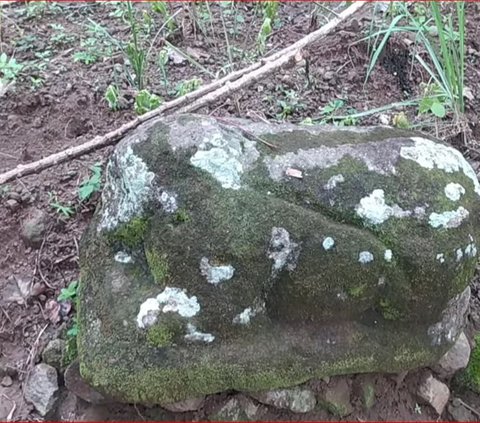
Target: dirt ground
<point>58,102</point>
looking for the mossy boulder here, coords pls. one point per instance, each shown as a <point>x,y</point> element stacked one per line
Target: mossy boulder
<point>228,254</point>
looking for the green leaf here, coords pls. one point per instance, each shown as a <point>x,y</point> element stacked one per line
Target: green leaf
<point>68,293</point>
<point>92,184</point>
<point>438,109</point>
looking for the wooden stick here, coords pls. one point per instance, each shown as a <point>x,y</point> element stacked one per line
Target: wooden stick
<point>191,101</point>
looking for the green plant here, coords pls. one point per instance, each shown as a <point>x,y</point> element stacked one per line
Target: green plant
<point>162,8</point>
<point>433,101</point>
<point>188,86</point>
<point>92,184</point>
<point>135,52</point>
<point>444,61</point>
<point>69,293</point>
<point>59,36</point>
<point>66,211</point>
<point>9,68</point>
<point>400,120</point>
<point>145,101</point>
<point>470,377</point>
<point>270,10</point>
<point>112,96</point>
<point>265,31</point>
<point>289,105</point>
<point>162,64</point>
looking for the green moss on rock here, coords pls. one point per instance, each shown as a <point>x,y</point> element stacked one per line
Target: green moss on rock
<point>470,377</point>
<point>164,333</point>
<point>158,265</point>
<point>389,312</point>
<point>130,234</point>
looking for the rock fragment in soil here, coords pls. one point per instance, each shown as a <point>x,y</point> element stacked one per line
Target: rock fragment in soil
<point>12,205</point>
<point>53,353</point>
<point>297,400</point>
<point>237,408</point>
<point>459,412</point>
<point>34,228</point>
<point>41,388</point>
<point>455,359</point>
<point>435,393</point>
<point>191,404</point>
<point>6,381</point>
<point>336,397</point>
<point>75,384</point>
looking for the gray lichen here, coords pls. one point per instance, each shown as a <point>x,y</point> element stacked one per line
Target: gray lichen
<point>283,251</point>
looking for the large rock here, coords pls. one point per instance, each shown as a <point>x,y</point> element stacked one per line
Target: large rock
<point>435,393</point>
<point>455,359</point>
<point>217,262</point>
<point>34,228</point>
<point>297,400</point>
<point>41,388</point>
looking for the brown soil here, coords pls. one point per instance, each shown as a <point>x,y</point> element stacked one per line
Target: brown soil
<point>69,108</point>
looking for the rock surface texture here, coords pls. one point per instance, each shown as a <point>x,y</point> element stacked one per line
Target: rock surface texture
<point>217,262</point>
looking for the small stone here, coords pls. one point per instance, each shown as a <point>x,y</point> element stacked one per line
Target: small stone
<point>329,75</point>
<point>455,359</point>
<point>37,122</point>
<point>336,398</point>
<point>7,381</point>
<point>37,289</point>
<point>12,195</point>
<point>75,384</point>
<point>53,353</point>
<point>34,228</point>
<point>41,388</point>
<point>237,408</point>
<point>297,400</point>
<point>384,119</point>
<point>459,412</point>
<point>7,370</point>
<point>434,393</point>
<point>12,205</point>
<point>368,395</point>
<point>191,404</point>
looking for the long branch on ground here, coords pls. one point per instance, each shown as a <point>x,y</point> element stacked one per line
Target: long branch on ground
<point>192,101</point>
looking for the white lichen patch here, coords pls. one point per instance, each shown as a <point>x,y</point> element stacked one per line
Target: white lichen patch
<point>148,313</point>
<point>328,243</point>
<point>430,155</point>
<point>168,202</point>
<point>454,191</point>
<point>377,159</point>
<point>448,219</point>
<point>175,300</point>
<point>127,189</point>
<point>283,251</point>
<point>246,315</point>
<point>388,255</point>
<point>365,257</point>
<point>216,274</point>
<point>193,335</point>
<point>334,181</point>
<point>419,212</point>
<point>374,210</point>
<point>171,300</point>
<point>471,250</point>
<point>123,257</point>
<point>440,257</point>
<point>459,254</point>
<point>226,157</point>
